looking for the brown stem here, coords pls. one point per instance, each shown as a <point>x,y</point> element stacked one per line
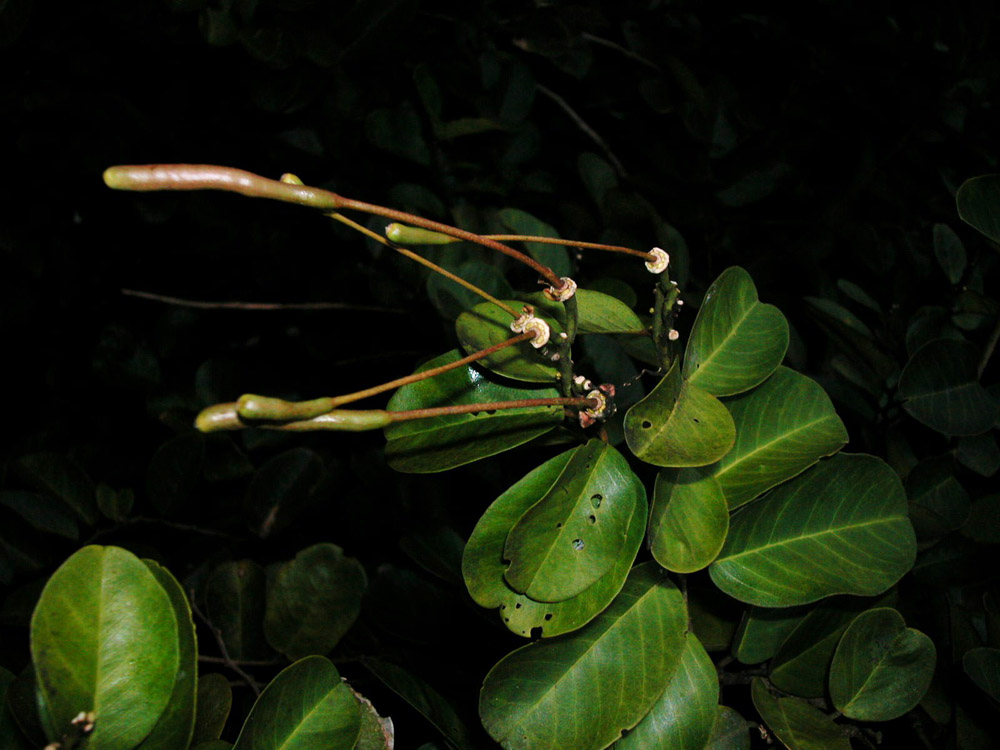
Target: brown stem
<point>441,411</point>
<point>199,304</point>
<point>571,243</point>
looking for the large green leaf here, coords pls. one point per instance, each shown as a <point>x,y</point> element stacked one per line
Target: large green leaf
<point>983,667</point>
<point>576,532</point>
<point>176,723</point>
<point>234,603</point>
<point>602,313</point>
<point>679,424</point>
<point>978,202</point>
<point>313,601</point>
<point>881,668</point>
<point>689,520</point>
<point>580,691</point>
<point>486,325</point>
<point>783,426</point>
<point>798,725</point>
<point>306,707</point>
<point>841,528</point>
<point>103,622</point>
<point>762,630</point>
<point>736,341</point>
<point>483,563</point>
<point>730,732</point>
<point>555,257</point>
<point>215,699</point>
<point>429,445</point>
<point>683,716</point>
<point>940,388</point>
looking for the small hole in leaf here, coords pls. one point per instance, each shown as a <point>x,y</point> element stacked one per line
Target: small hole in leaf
<point>548,616</point>
<point>517,606</point>
<point>578,544</point>
<point>506,619</point>
<point>646,424</point>
<point>558,525</point>
<point>596,500</point>
<point>695,420</point>
<point>593,519</point>
<point>536,632</point>
<point>503,606</point>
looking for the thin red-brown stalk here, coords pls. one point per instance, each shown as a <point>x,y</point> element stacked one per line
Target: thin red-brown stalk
<point>441,411</point>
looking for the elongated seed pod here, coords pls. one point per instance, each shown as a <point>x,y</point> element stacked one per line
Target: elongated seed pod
<point>251,407</point>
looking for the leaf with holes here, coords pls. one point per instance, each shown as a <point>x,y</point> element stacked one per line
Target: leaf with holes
<point>104,621</point>
<point>881,668</point>
<point>783,426</point>
<point>679,424</point>
<point>689,520</point>
<point>306,707</point>
<point>582,690</point>
<point>684,714</point>
<point>440,443</point>
<point>577,531</point>
<point>486,325</point>
<point>840,528</point>
<point>483,563</point>
<point>736,341</point>
<point>798,725</point>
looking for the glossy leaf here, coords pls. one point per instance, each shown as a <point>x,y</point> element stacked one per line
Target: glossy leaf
<point>736,341</point>
<point>881,668</point>
<point>678,425</point>
<point>982,665</point>
<point>555,257</point>
<point>306,707</point>
<point>841,528</point>
<point>214,701</point>
<point>576,532</point>
<point>797,724</point>
<point>582,690</point>
<point>762,630</point>
<point>783,427</point>
<point>685,713</point>
<point>429,445</point>
<point>280,489</point>
<point>602,313</point>
<point>427,701</point>
<point>176,723</point>
<point>978,202</point>
<point>730,732</point>
<point>313,601</point>
<point>486,325</point>
<point>940,388</point>
<point>689,520</point>
<point>483,563</point>
<point>234,603</point>
<point>104,621</point>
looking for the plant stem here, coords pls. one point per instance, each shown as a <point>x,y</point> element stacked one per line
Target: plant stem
<point>441,411</point>
<point>149,177</point>
<point>200,305</point>
<point>566,346</point>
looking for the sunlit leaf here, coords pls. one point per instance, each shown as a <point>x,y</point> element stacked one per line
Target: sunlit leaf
<point>736,341</point>
<point>783,426</point>
<point>685,713</point>
<point>576,531</point>
<point>214,701</point>
<point>689,520</point>
<point>797,724</point>
<point>486,325</point>
<point>679,424</point>
<point>841,528</point>
<point>429,445</point>
<point>580,691</point>
<point>306,707</point>
<point>313,601</point>
<point>104,621</point>
<point>881,668</point>
<point>978,202</point>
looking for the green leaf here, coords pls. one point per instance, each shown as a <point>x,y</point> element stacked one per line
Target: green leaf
<point>429,445</point>
<point>553,256</point>
<point>313,601</point>
<point>783,427</point>
<point>684,714</point>
<point>950,252</point>
<point>736,341</point>
<point>56,475</point>
<point>575,533</point>
<point>580,691</point>
<point>881,668</point>
<point>176,723</point>
<point>306,707</point>
<point>940,388</point>
<point>483,563</point>
<point>426,700</point>
<point>234,603</point>
<point>797,724</point>
<point>438,550</point>
<point>214,701</point>
<point>24,701</point>
<point>689,520</point>
<point>978,202</point>
<point>979,453</point>
<point>114,504</point>
<point>841,528</point>
<point>679,424</point>
<point>104,621</point>
<point>983,667</point>
<point>730,732</point>
<point>281,489</point>
<point>486,325</point>
<point>453,299</point>
<point>602,313</point>
<point>377,732</point>
<point>762,630</point>
<point>938,503</point>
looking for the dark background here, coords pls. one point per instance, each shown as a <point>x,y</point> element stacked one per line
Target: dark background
<point>811,144</point>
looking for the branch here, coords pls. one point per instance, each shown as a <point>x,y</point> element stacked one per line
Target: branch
<point>200,305</point>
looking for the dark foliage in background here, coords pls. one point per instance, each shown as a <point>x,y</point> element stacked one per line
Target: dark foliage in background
<point>816,146</point>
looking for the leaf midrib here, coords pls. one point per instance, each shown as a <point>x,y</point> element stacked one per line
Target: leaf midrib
<point>813,535</point>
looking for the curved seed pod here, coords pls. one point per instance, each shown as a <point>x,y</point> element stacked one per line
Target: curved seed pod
<point>252,406</point>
